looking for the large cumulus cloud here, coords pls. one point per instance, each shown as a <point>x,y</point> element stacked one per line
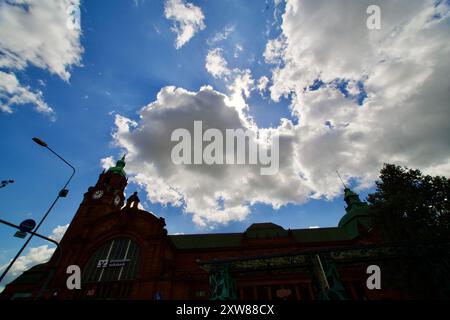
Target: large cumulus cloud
<point>402,68</point>
<point>384,98</point>
<point>211,193</point>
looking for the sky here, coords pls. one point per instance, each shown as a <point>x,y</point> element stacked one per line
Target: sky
<point>97,80</point>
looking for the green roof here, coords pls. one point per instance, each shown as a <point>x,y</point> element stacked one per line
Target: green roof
<point>261,231</point>
<point>204,241</point>
<point>265,230</point>
<point>320,235</point>
<point>118,168</point>
<point>356,216</point>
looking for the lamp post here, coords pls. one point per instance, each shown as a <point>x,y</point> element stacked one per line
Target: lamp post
<point>62,193</point>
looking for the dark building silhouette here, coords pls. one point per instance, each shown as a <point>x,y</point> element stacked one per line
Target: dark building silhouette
<point>125,253</point>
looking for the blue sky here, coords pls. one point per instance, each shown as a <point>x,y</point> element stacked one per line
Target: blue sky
<point>129,56</point>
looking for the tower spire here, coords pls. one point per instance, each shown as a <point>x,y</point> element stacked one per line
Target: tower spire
<point>345,187</point>
<point>351,198</point>
<point>118,168</point>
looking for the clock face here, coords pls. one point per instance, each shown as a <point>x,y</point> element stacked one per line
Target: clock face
<point>97,194</point>
<point>116,200</point>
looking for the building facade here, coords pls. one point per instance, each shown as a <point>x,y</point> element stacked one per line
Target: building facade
<point>124,252</point>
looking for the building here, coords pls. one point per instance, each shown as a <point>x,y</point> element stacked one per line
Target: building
<point>125,253</point>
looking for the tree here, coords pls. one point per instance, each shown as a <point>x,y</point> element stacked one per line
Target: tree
<point>408,205</point>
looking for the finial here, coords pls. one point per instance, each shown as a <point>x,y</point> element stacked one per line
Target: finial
<point>341,179</point>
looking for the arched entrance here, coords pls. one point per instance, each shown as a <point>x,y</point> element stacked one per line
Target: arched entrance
<point>110,271</point>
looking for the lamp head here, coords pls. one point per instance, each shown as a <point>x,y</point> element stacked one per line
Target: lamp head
<point>40,142</point>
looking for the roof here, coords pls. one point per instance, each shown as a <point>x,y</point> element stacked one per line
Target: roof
<point>264,225</point>
<point>118,168</point>
<point>261,231</point>
<point>31,276</point>
<point>203,241</point>
<point>265,230</point>
<point>320,235</point>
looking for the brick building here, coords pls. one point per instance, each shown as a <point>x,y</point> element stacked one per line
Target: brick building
<point>125,253</point>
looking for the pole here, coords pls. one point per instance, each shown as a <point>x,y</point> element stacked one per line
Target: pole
<point>341,179</point>
<point>58,247</point>
<point>60,194</point>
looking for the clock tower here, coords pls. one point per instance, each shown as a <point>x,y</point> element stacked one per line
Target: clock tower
<point>112,241</point>
<point>109,189</point>
<point>105,197</point>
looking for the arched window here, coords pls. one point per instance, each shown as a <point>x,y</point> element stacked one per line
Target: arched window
<point>116,260</point>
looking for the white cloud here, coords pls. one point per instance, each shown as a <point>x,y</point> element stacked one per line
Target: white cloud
<point>275,50</point>
<point>262,84</point>
<point>404,70</point>
<point>404,119</point>
<point>13,93</point>
<point>34,256</point>
<point>216,65</point>
<point>239,82</point>
<point>220,36</point>
<point>238,48</point>
<point>352,88</point>
<point>36,33</point>
<point>241,87</point>
<point>201,188</point>
<point>107,162</point>
<point>187,18</point>
<point>58,232</point>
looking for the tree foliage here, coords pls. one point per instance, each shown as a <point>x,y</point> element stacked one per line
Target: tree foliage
<point>408,205</point>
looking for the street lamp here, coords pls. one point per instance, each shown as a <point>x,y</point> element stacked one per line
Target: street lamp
<point>4,183</point>
<point>62,193</point>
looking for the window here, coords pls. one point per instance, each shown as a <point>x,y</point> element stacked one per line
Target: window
<point>116,260</point>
